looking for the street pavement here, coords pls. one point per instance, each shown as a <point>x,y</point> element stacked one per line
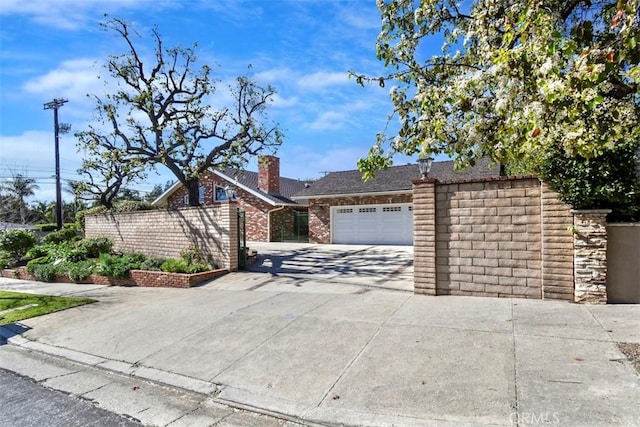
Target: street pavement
<point>294,340</point>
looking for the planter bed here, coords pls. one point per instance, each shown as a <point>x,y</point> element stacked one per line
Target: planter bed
<point>142,278</point>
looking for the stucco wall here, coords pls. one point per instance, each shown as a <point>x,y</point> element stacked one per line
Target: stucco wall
<point>212,229</point>
<point>623,263</point>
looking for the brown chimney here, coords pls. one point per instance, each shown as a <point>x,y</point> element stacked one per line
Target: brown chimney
<point>269,174</point>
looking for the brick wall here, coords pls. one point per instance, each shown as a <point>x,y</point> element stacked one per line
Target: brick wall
<point>256,208</point>
<point>269,174</point>
<point>497,237</point>
<point>320,211</point>
<point>212,229</point>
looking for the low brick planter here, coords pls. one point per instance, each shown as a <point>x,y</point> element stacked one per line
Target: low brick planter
<point>142,278</point>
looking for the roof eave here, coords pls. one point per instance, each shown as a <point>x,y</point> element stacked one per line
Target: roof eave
<point>370,193</point>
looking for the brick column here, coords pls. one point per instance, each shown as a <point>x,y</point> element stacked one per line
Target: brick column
<point>424,236</point>
<point>590,255</point>
<point>557,246</point>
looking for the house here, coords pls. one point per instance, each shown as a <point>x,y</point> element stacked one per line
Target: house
<point>347,210</point>
<point>271,215</point>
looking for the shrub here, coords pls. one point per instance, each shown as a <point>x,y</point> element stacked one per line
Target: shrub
<point>118,266</point>
<point>152,264</point>
<point>38,251</point>
<point>36,262</point>
<point>94,246</point>
<point>198,267</point>
<point>79,271</point>
<point>44,272</point>
<point>133,206</point>
<point>17,242</point>
<point>6,260</point>
<point>47,227</point>
<point>68,233</point>
<point>173,265</point>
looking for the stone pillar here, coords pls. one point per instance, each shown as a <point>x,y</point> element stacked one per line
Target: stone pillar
<point>424,236</point>
<point>590,255</point>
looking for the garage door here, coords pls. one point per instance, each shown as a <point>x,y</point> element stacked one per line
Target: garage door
<point>372,224</point>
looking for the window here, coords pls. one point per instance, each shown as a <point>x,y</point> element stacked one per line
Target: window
<point>344,210</point>
<point>392,209</point>
<point>201,192</point>
<point>366,210</point>
<point>185,200</point>
<point>220,195</point>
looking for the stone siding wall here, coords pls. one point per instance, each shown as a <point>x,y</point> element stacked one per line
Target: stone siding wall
<point>487,238</point>
<point>211,229</point>
<point>590,257</point>
<point>320,211</point>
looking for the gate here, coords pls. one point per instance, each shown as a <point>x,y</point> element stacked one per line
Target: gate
<point>242,240</point>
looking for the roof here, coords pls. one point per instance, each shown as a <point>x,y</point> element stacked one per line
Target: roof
<point>16,226</point>
<point>396,179</point>
<point>248,181</point>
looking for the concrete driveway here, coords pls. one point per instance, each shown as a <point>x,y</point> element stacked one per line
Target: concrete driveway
<point>326,268</point>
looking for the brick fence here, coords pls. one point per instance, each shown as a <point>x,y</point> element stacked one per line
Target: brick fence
<point>211,229</point>
<point>506,237</point>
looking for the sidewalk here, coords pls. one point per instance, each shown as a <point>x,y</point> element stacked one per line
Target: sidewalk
<point>369,357</point>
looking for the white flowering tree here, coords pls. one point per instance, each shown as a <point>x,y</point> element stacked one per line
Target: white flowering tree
<point>512,78</point>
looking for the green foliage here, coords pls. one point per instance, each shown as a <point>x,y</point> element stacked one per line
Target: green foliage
<point>167,117</point>
<point>152,264</point>
<point>6,260</point>
<point>118,266</point>
<point>38,305</point>
<point>94,246</point>
<point>608,181</point>
<point>112,266</point>
<point>192,255</point>
<point>133,206</point>
<point>173,265</point>
<point>79,271</point>
<point>47,227</point>
<point>44,272</point>
<point>34,263</point>
<point>513,80</point>
<point>68,233</point>
<point>17,242</point>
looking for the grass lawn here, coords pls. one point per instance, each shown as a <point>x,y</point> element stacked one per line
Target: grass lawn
<point>16,306</point>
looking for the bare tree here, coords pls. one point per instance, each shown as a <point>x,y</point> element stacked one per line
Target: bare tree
<point>162,114</point>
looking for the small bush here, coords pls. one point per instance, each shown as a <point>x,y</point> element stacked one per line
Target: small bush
<point>198,267</point>
<point>44,272</point>
<point>173,265</point>
<point>68,233</point>
<point>47,227</point>
<point>36,262</point>
<point>192,255</point>
<point>17,242</point>
<point>152,264</point>
<point>133,206</point>
<point>6,260</point>
<point>79,271</point>
<point>113,266</point>
<point>94,246</point>
<point>38,251</point>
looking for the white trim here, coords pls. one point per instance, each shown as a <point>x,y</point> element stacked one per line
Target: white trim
<point>331,196</point>
<point>162,199</point>
<point>251,190</point>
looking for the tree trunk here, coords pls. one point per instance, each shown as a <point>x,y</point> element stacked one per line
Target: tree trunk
<point>193,189</point>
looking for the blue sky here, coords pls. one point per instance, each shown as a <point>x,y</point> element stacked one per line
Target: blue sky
<point>55,48</point>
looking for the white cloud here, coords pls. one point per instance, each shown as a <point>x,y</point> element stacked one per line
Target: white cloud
<point>70,14</point>
<point>72,79</point>
<point>321,80</point>
<point>282,102</point>
<point>329,120</point>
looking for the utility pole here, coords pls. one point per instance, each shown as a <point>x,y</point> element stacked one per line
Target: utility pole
<point>54,105</point>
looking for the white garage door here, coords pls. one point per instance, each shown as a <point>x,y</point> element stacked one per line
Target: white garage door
<point>372,224</point>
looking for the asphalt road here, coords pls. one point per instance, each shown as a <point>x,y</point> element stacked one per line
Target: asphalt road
<point>24,403</point>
